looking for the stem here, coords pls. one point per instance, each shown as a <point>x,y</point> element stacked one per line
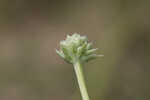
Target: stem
<point>81,81</point>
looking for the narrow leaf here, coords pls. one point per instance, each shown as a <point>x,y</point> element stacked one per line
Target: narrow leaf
<point>91,51</point>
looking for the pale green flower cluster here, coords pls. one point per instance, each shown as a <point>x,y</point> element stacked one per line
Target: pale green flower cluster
<point>76,48</point>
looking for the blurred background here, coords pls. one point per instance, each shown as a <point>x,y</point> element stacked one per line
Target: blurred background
<point>30,31</point>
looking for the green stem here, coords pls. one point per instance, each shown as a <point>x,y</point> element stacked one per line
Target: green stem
<point>81,81</point>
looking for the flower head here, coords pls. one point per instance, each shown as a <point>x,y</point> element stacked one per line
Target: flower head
<point>76,48</point>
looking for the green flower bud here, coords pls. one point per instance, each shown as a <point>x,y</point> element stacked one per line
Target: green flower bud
<point>76,48</point>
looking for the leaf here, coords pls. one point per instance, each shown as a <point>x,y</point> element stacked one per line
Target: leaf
<point>89,46</point>
<point>88,52</point>
<point>60,53</point>
<point>90,57</point>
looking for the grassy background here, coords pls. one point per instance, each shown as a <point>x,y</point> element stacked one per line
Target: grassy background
<point>31,30</point>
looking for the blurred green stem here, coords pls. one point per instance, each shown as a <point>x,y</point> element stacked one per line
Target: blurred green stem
<point>81,81</point>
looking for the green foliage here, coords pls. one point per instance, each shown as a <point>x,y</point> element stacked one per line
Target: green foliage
<point>76,48</point>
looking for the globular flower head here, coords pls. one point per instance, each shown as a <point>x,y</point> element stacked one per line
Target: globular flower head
<point>76,48</point>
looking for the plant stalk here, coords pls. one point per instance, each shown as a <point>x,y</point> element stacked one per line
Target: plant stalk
<point>81,81</point>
